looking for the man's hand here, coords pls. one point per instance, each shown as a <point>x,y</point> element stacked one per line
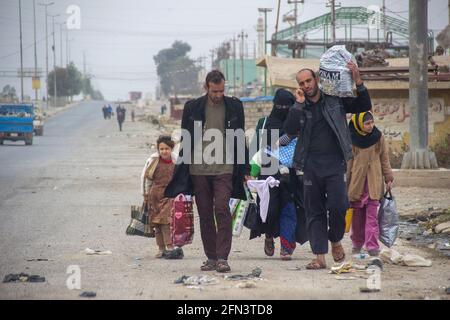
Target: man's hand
<point>299,95</point>
<point>355,72</point>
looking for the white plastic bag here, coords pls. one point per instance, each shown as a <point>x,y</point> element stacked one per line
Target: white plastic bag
<point>335,77</point>
<point>238,217</point>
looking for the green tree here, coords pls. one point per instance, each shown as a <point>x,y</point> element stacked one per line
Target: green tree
<point>223,53</point>
<point>177,72</point>
<point>88,89</point>
<point>75,80</point>
<point>68,81</point>
<point>9,93</point>
<point>97,95</point>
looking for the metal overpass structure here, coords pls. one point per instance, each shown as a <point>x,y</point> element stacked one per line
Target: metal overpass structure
<point>381,30</point>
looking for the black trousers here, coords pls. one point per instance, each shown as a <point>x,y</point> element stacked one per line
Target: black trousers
<point>326,202</point>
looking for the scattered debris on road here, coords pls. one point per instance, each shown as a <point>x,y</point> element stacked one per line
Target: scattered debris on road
<point>360,256</point>
<point>294,269</point>
<point>345,278</point>
<point>375,262</point>
<point>196,280</point>
<point>97,252</point>
<point>246,285</point>
<point>256,273</point>
<point>345,267</point>
<point>88,294</point>
<point>38,260</point>
<point>23,277</point>
<point>368,290</point>
<point>409,260</point>
<point>359,267</point>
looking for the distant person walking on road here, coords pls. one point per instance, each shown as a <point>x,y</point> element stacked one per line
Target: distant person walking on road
<point>105,112</point>
<point>132,115</point>
<point>155,177</point>
<point>110,111</point>
<point>120,116</point>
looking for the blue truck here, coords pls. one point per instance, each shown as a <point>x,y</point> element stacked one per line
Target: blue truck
<point>16,122</point>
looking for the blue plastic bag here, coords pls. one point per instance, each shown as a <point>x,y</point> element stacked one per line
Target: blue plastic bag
<point>285,154</point>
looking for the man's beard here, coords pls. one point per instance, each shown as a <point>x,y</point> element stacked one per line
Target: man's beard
<point>313,94</point>
<point>215,100</point>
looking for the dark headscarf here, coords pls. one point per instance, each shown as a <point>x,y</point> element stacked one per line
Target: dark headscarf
<point>279,114</point>
<point>360,138</point>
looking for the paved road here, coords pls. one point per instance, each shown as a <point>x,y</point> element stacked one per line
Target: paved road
<point>72,189</point>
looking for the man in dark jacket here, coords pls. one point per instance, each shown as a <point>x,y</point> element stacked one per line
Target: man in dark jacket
<point>212,182</point>
<point>322,151</point>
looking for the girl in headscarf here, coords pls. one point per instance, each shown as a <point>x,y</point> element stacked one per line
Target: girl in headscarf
<point>155,177</point>
<point>365,175</point>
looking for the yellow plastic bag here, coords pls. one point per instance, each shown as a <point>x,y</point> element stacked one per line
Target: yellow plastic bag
<point>348,219</point>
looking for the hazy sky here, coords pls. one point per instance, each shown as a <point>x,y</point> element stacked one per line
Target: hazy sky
<point>120,37</point>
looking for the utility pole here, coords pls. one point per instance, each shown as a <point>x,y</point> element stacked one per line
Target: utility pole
<point>296,48</point>
<point>296,19</point>
<point>246,53</point>
<point>418,157</point>
<point>67,47</point>
<point>332,4</point>
<point>333,22</point>
<point>46,50</point>
<point>384,19</point>
<point>265,10</point>
<point>21,52</point>
<point>242,36</point>
<point>234,65</point>
<point>35,51</point>
<point>54,58</point>
<point>274,46</point>
<point>212,58</point>
<point>84,64</point>
<point>61,44</point>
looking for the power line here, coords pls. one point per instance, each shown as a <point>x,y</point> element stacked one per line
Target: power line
<point>26,47</point>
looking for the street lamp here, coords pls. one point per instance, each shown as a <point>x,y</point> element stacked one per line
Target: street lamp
<point>54,58</point>
<point>46,50</point>
<point>21,52</point>
<point>242,35</point>
<point>61,43</point>
<point>265,10</point>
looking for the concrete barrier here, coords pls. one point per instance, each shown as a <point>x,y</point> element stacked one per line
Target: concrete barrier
<point>439,178</point>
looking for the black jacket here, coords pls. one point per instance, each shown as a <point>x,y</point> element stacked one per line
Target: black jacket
<point>299,122</point>
<point>194,110</point>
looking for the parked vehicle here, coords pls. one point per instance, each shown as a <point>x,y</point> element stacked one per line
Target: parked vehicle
<point>38,124</point>
<point>16,122</point>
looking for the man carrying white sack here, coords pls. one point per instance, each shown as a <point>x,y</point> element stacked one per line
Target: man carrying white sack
<point>323,148</point>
